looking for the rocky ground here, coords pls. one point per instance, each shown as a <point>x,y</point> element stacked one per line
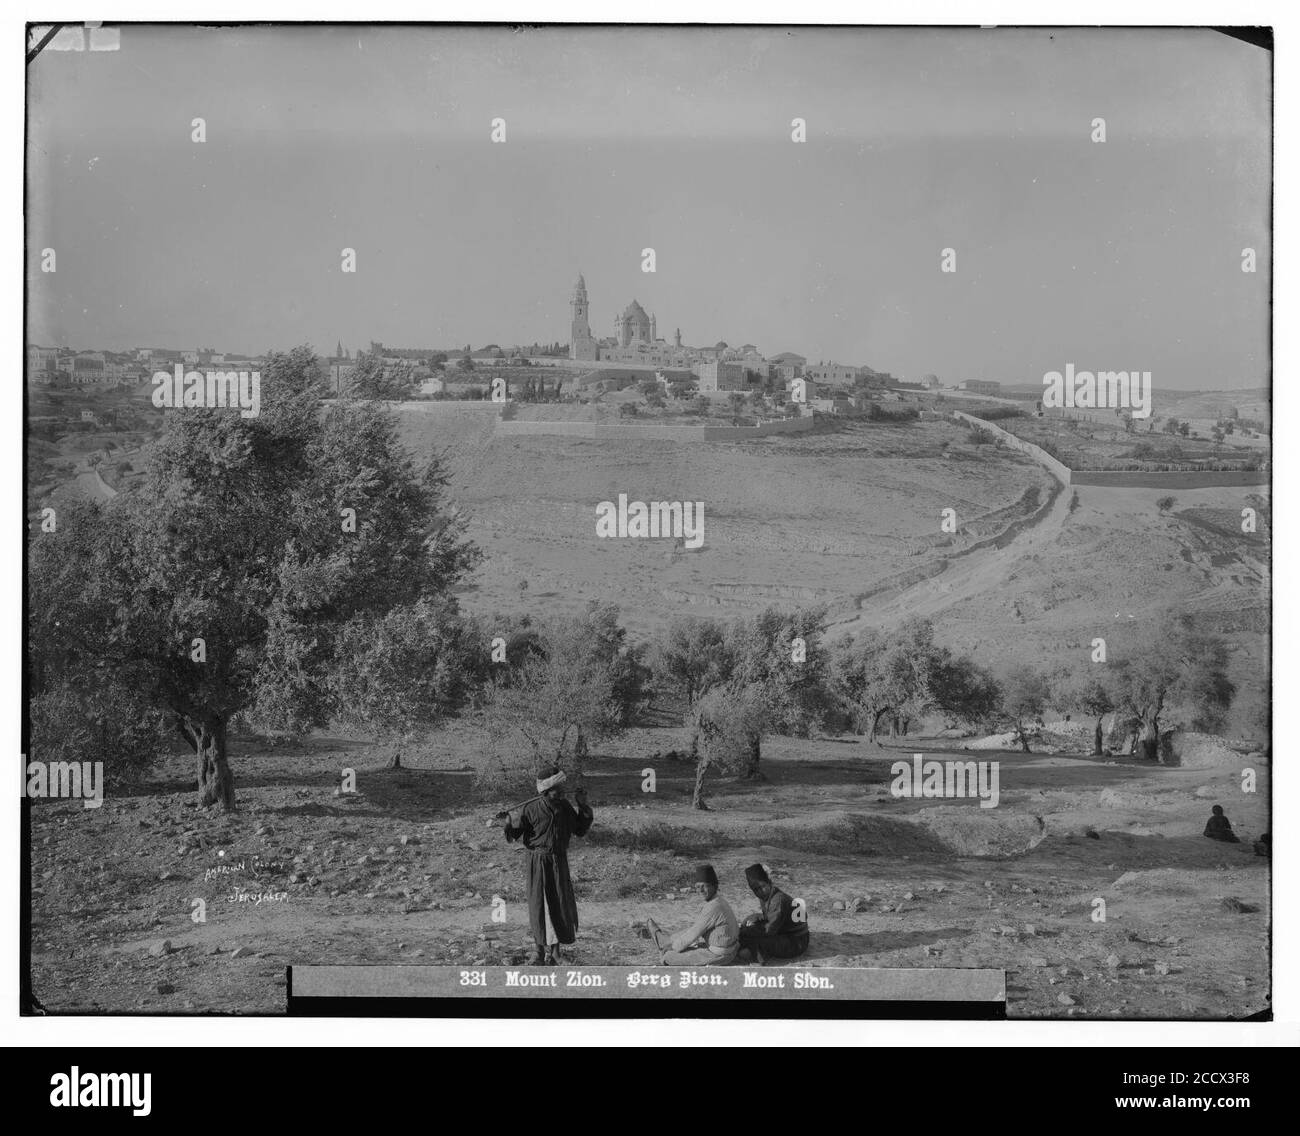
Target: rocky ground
<point>406,869</point>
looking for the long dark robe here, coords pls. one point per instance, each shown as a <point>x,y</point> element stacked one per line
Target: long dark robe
<point>545,827</point>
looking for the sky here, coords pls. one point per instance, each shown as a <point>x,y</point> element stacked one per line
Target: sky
<point>1117,255</point>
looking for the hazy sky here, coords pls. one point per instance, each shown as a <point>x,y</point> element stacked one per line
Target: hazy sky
<point>1119,255</point>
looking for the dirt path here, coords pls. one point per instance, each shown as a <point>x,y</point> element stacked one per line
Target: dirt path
<point>965,577</point>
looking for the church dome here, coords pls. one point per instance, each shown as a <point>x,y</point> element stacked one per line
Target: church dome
<point>635,311</point>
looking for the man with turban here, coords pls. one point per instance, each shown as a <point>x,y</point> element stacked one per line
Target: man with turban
<point>712,940</point>
<point>545,826</point>
<point>776,932</point>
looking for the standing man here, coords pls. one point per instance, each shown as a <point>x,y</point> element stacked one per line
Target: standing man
<point>545,826</point>
<point>776,933</point>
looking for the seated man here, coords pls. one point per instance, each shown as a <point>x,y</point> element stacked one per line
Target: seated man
<point>712,940</point>
<point>1219,828</point>
<point>775,933</point>
<point>1264,846</point>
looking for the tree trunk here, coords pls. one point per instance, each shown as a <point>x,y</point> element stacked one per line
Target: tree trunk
<point>1150,739</point>
<point>395,762</point>
<point>216,785</point>
<point>752,772</point>
<point>697,798</point>
<point>1022,737</point>
<point>1096,738</point>
<point>875,723</point>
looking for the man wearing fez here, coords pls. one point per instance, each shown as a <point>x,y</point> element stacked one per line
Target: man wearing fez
<point>712,940</point>
<point>776,932</point>
<point>545,826</point>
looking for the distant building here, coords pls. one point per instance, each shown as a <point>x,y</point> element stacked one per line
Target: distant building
<point>839,405</point>
<point>930,382</point>
<point>88,368</point>
<point>832,374</point>
<point>810,391</point>
<point>979,386</point>
<point>722,376</point>
<point>42,364</point>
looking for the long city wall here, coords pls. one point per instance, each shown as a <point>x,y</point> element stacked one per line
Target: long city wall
<point>698,433</point>
<point>1122,478</point>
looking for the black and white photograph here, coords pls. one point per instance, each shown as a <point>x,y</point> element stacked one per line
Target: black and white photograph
<point>647,520</point>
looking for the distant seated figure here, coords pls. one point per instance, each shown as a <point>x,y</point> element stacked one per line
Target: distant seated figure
<point>1218,827</point>
<point>1264,846</point>
<point>775,933</point>
<point>712,940</point>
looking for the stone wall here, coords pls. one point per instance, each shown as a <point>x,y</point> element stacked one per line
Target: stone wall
<point>692,433</point>
<point>1123,478</point>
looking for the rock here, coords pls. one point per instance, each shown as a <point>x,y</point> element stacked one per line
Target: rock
<point>241,952</point>
<point>1006,930</point>
<point>1037,962</point>
<point>908,895</point>
<point>860,903</point>
<point>1233,904</point>
<point>265,830</point>
<point>160,948</point>
<point>1112,961</point>
<point>1030,929</point>
<point>838,905</point>
<point>1162,968</point>
<point>165,876</point>
<point>409,840</point>
<point>1067,999</point>
<point>390,850</point>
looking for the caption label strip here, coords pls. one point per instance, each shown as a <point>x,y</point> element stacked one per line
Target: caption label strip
<point>830,983</point>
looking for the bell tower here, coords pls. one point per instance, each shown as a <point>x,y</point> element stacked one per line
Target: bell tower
<point>581,344</point>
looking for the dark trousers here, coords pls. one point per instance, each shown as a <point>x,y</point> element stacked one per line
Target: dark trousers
<point>789,945</point>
